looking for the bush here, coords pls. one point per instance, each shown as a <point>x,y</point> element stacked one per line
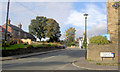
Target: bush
<point>68,44</point>
<point>99,40</point>
<point>30,46</point>
<point>7,44</point>
<point>73,44</point>
<point>39,45</point>
<point>53,44</point>
<point>48,45</point>
<point>13,42</point>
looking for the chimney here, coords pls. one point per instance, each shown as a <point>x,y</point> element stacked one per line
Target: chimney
<point>9,21</point>
<point>19,25</point>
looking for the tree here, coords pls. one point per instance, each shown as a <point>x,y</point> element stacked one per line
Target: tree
<point>70,34</point>
<point>43,27</point>
<point>99,40</point>
<point>38,27</point>
<point>53,30</point>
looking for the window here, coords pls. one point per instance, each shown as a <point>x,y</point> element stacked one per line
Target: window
<point>25,35</point>
<point>19,33</point>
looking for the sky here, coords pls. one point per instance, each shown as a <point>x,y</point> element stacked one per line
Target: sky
<point>67,14</point>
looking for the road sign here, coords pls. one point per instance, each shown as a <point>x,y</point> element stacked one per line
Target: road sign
<point>106,54</point>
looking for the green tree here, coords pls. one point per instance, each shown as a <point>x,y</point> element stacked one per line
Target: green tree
<point>70,34</point>
<point>38,27</point>
<point>43,27</point>
<point>99,40</point>
<point>53,30</point>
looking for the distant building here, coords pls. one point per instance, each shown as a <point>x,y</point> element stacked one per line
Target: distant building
<point>17,33</point>
<point>81,39</point>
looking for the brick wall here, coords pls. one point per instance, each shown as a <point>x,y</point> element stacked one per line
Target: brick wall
<point>9,29</point>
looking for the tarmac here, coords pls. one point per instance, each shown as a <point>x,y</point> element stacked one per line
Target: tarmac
<point>80,62</point>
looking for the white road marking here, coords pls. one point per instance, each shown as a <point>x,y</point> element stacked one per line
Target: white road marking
<point>75,65</point>
<point>88,68</point>
<point>48,57</point>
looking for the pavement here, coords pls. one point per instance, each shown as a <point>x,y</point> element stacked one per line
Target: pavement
<point>78,63</point>
<point>83,63</point>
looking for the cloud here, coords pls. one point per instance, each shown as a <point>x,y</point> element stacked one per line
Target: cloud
<point>58,11</point>
<point>97,20</point>
<point>25,11</point>
<point>97,30</point>
<point>62,36</point>
<point>55,0</point>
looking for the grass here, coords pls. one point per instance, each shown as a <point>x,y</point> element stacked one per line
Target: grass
<point>15,46</point>
<point>108,64</point>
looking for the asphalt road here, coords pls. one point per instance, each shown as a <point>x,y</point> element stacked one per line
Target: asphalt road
<point>61,60</point>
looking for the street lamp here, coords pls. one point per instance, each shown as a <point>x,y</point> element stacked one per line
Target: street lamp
<point>85,30</point>
<point>85,34</point>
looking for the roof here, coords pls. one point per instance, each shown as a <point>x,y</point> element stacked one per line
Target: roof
<point>15,27</point>
<point>19,29</point>
<point>3,30</point>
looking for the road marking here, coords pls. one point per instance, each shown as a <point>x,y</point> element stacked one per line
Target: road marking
<point>48,57</point>
<point>88,68</point>
<point>75,65</point>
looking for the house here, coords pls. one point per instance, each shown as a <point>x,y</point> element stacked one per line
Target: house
<point>17,33</point>
<point>2,35</point>
<point>81,39</point>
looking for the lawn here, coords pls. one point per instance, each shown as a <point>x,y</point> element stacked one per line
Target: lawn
<point>15,46</point>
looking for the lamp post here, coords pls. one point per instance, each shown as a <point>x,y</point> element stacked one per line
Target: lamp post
<point>6,24</point>
<point>85,34</point>
<point>85,30</point>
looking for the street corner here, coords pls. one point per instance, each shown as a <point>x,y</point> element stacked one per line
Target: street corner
<point>88,65</point>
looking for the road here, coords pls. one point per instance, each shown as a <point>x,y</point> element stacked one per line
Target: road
<point>61,60</point>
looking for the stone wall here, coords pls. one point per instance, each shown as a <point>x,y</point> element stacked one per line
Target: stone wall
<point>93,51</point>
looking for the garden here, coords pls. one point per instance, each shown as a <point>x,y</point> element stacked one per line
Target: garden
<point>24,48</point>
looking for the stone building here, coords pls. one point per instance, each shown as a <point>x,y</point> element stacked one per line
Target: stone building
<point>17,33</point>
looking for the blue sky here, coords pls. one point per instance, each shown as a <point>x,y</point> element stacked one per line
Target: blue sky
<point>67,14</point>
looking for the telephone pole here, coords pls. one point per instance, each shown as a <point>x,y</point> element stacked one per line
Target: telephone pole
<point>6,24</point>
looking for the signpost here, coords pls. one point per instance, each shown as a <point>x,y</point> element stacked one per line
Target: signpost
<point>107,55</point>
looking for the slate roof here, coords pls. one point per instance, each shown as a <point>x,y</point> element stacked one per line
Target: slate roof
<point>18,29</point>
<point>15,27</point>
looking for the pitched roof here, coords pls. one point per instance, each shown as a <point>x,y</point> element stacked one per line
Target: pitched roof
<point>15,27</point>
<point>19,29</point>
<point>3,30</point>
